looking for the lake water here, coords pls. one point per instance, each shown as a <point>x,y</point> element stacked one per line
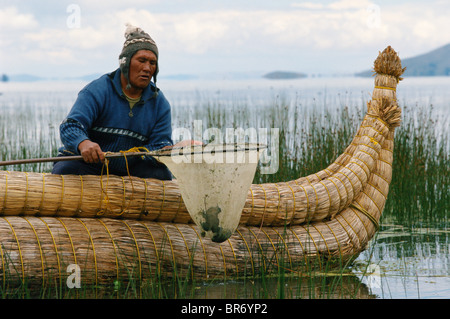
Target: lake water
<point>338,90</point>
<point>400,262</point>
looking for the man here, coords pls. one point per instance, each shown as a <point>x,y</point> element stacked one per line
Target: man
<point>119,111</point>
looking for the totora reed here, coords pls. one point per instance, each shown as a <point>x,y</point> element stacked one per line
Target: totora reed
<point>111,226</point>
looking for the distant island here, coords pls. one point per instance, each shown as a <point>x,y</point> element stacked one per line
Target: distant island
<point>434,63</point>
<point>283,75</point>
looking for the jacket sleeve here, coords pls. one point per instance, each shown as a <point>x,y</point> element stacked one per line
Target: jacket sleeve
<point>74,129</point>
<point>161,134</point>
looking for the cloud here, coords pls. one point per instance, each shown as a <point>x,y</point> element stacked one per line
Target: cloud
<point>308,5</point>
<point>12,19</point>
<point>336,5</point>
<point>197,36</point>
<point>349,4</point>
<point>13,24</point>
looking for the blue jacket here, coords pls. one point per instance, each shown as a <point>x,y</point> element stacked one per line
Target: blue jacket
<point>100,114</point>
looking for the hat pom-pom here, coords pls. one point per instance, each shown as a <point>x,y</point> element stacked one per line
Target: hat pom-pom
<point>131,29</point>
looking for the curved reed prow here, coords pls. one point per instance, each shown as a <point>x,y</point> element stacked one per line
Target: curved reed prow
<point>388,70</point>
<point>383,116</point>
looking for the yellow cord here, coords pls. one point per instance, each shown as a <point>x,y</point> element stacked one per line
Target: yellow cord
<point>105,188</point>
<point>385,88</point>
<point>6,193</point>
<point>367,214</point>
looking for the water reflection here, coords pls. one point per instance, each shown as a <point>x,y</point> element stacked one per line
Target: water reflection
<point>412,263</point>
<point>315,286</point>
<point>399,263</point>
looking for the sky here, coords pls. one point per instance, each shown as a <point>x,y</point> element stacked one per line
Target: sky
<point>57,38</point>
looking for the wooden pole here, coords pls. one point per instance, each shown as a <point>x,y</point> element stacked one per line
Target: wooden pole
<point>67,158</point>
<point>162,152</point>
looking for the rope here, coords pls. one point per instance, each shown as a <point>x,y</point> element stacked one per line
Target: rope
<point>224,264</point>
<point>164,198</point>
<point>339,193</point>
<point>315,192</point>
<point>286,247</point>
<point>367,174</point>
<point>273,246</point>
<point>124,193</point>
<point>156,250</point>
<point>293,199</point>
<point>306,195</point>
<point>93,250</point>
<point>249,251</point>
<point>171,247</point>
<point>253,203</point>
<point>56,251</point>
<point>260,249</point>
<point>180,202</point>
<point>317,255</point>
<point>25,204</point>
<point>191,259</point>
<point>204,251</point>
<point>278,204</point>
<point>324,240</point>
<point>367,214</point>
<point>105,189</point>
<point>114,246</point>
<point>6,193</point>
<point>350,225</point>
<point>138,256</point>
<point>43,192</point>
<point>337,241</point>
<point>71,243</point>
<point>329,198</point>
<point>3,267</point>
<point>385,88</point>
<point>234,255</point>
<point>62,195</point>
<point>303,248</point>
<point>81,196</point>
<point>18,247</point>
<point>145,197</point>
<point>355,173</point>
<point>40,251</point>
<point>265,204</point>
<point>377,117</point>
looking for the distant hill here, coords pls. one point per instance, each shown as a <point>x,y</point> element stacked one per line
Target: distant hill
<point>281,75</point>
<point>434,63</point>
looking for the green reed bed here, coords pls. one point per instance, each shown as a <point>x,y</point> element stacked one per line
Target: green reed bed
<point>420,190</point>
<point>28,132</point>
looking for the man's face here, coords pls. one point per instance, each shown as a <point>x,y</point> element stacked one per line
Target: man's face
<point>142,68</point>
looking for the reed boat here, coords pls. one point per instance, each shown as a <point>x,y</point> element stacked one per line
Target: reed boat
<point>112,226</point>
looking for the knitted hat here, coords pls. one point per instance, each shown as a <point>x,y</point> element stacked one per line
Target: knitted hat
<point>136,39</point>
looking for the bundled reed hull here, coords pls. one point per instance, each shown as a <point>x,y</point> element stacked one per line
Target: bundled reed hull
<point>112,226</point>
<point>308,199</point>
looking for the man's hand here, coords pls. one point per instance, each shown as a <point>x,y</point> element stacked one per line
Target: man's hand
<point>91,152</point>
